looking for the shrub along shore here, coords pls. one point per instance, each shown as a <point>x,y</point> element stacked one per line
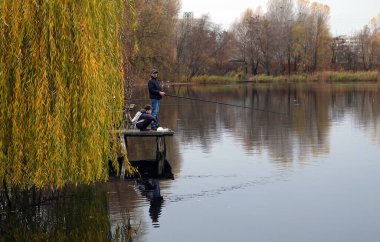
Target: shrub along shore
<point>324,77</point>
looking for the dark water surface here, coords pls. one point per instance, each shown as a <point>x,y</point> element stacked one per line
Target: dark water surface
<point>243,175</point>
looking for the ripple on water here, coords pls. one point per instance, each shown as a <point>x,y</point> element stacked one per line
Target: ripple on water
<point>280,176</point>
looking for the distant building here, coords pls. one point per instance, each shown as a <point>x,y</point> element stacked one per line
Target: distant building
<point>344,51</point>
<point>188,17</point>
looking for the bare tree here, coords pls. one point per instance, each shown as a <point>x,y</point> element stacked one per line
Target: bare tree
<point>321,40</point>
<point>156,35</point>
<point>311,35</point>
<point>246,33</point>
<point>200,45</point>
<point>281,15</point>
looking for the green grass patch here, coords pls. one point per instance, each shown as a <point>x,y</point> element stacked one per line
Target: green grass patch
<point>367,76</point>
<point>326,76</point>
<point>298,78</point>
<point>214,79</point>
<point>267,79</point>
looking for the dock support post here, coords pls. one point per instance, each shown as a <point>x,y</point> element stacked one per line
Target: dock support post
<point>161,154</point>
<point>123,140</point>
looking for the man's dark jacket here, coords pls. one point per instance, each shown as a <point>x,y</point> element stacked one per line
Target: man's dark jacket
<point>154,88</point>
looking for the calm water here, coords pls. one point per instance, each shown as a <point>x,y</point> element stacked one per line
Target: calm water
<point>243,175</point>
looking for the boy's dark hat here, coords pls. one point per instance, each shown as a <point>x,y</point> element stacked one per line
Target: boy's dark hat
<point>154,71</point>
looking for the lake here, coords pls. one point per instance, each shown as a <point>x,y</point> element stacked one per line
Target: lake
<point>287,162</point>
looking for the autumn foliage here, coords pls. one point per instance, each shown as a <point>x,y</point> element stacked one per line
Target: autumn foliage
<point>61,87</point>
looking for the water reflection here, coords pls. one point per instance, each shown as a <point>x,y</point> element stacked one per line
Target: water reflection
<point>79,214</point>
<point>219,150</point>
<point>300,136</point>
<point>150,188</point>
<point>303,133</point>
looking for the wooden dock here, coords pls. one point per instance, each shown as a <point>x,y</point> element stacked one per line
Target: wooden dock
<point>138,133</point>
<point>160,144</point>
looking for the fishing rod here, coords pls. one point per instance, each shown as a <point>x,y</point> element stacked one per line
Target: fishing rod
<point>226,104</point>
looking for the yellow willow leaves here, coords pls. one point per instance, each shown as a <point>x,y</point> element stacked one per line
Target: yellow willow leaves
<point>61,85</point>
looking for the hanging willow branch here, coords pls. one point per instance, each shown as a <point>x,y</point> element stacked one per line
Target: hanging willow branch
<point>130,49</point>
<point>61,80</point>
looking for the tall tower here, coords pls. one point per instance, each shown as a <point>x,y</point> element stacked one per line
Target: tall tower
<point>188,17</point>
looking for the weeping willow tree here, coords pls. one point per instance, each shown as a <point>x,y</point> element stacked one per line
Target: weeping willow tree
<point>61,80</point>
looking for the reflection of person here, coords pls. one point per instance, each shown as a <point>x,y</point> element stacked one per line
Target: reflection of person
<point>156,202</point>
<point>151,189</point>
<point>155,95</point>
<point>155,208</point>
<point>145,118</point>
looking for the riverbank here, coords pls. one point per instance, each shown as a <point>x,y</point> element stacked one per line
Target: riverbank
<point>323,77</point>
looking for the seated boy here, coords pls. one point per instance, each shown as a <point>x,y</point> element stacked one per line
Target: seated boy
<point>145,118</point>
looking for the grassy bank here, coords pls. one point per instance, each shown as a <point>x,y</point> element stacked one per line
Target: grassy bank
<point>327,76</point>
<point>214,79</point>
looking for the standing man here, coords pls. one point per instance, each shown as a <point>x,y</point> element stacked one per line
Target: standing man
<point>155,95</point>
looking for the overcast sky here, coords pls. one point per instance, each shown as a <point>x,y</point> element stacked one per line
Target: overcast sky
<point>346,16</point>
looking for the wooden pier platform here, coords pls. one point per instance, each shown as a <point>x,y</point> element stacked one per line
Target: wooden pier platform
<point>138,133</point>
<point>160,141</point>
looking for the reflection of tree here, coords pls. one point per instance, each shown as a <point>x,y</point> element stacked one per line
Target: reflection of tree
<point>363,103</point>
<point>122,199</point>
<point>81,216</point>
<point>301,134</point>
<point>256,129</point>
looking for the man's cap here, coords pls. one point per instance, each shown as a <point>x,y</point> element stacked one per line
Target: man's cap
<point>154,71</point>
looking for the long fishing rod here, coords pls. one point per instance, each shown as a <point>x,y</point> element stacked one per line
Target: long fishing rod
<point>226,104</point>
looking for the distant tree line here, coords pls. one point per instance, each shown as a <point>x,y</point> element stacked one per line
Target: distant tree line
<point>360,51</point>
<point>290,37</point>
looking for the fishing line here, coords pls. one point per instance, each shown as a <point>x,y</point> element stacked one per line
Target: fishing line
<point>226,104</point>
